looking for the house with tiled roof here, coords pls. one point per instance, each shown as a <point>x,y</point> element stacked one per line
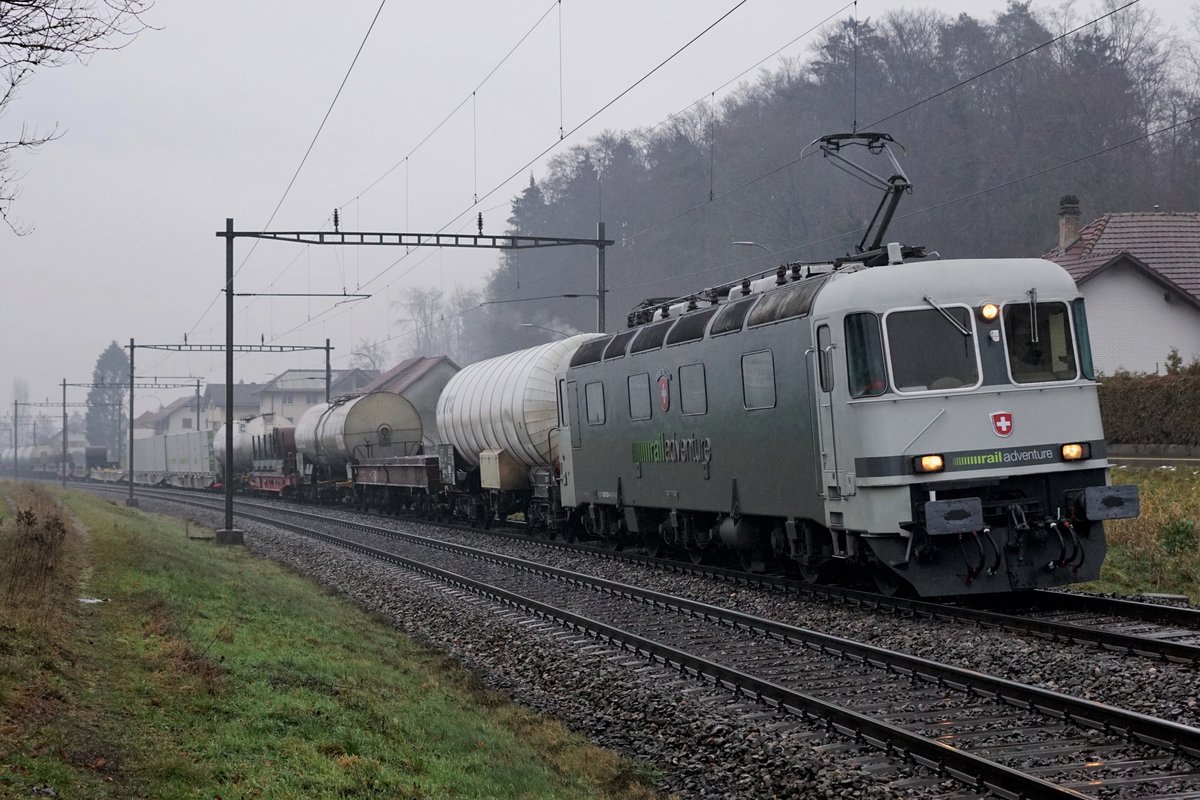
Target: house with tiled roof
<point>1139,274</point>
<point>245,403</point>
<point>289,394</point>
<point>419,380</point>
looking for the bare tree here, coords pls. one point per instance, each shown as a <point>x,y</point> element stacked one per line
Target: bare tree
<point>49,33</point>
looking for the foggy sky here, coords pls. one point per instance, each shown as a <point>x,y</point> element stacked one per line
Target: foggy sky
<point>208,115</point>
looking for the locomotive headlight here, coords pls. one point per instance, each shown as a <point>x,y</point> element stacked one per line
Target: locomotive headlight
<point>989,311</point>
<point>1076,451</point>
<point>929,463</point>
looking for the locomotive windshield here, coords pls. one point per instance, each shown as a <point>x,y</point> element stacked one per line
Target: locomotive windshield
<point>929,352</point>
<point>1040,352</point>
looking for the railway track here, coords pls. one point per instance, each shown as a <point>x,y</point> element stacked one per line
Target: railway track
<point>1150,630</point>
<point>991,734</point>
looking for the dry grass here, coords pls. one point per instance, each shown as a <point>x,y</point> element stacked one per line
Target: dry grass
<point>38,567</point>
<point>1159,551</point>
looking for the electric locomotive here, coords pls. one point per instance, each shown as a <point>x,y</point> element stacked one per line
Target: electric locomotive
<point>934,422</point>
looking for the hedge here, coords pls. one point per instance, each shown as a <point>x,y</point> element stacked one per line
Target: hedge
<point>1151,409</point>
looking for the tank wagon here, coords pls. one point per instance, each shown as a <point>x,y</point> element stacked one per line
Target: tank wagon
<point>501,418</point>
<point>368,434</point>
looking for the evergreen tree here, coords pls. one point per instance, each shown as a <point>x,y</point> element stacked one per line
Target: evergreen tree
<point>104,403</point>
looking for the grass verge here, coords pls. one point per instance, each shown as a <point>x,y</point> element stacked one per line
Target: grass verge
<point>1159,551</point>
<point>210,673</point>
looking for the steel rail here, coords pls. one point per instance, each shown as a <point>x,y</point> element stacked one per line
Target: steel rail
<point>979,773</point>
<point>1138,727</point>
<point>1114,641</point>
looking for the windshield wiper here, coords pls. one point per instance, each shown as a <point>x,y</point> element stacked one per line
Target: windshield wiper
<point>949,317</point>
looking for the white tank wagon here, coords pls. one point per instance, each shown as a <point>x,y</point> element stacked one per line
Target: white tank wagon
<point>507,403</point>
<point>244,431</point>
<point>374,425</point>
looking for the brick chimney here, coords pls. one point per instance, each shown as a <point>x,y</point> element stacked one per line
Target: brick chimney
<point>1068,220</point>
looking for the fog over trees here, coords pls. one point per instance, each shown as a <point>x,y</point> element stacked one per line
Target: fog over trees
<point>989,157</point>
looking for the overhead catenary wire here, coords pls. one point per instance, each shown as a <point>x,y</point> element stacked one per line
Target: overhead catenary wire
<point>573,130</point>
<point>934,207</point>
<point>891,116</point>
<point>303,160</point>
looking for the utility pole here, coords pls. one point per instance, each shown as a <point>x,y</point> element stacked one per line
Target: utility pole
<point>64,435</point>
<point>16,461</point>
<point>229,535</point>
<point>328,372</point>
<point>131,501</point>
<point>600,241</point>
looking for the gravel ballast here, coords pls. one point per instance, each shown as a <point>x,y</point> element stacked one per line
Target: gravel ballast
<point>703,740</point>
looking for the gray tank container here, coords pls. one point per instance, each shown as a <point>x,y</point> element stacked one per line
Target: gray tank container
<point>375,425</point>
<point>244,431</point>
<point>507,403</point>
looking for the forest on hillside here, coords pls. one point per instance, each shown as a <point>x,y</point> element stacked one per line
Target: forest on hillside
<point>989,147</point>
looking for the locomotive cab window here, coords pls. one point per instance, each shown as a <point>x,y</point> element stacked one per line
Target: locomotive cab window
<point>929,351</point>
<point>693,394</point>
<point>1040,348</point>
<point>639,396</point>
<point>864,356</point>
<point>593,401</point>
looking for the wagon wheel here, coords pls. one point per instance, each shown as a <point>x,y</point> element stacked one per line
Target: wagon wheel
<point>698,555</point>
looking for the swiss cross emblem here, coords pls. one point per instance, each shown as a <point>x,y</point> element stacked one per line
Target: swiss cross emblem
<point>664,390</point>
<point>1002,423</point>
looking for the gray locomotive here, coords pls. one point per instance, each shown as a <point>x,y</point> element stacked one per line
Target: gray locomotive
<point>934,422</point>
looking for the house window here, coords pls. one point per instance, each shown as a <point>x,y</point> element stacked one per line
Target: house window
<point>311,398</point>
<point>693,395</point>
<point>287,399</point>
<point>187,423</point>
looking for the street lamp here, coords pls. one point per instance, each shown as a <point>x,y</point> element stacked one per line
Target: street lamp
<point>756,244</point>
<point>543,328</point>
<point>368,357</point>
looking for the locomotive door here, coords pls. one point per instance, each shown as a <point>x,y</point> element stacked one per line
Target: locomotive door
<point>823,384</point>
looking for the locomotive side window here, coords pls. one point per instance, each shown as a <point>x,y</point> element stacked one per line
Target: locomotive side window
<point>787,302</point>
<point>650,337</point>
<point>732,316</point>
<point>562,404</point>
<point>1085,342</point>
<point>690,327</point>
<point>693,394</point>
<point>864,356</point>
<point>824,361</point>
<point>593,401</point>
<point>928,352</point>
<point>616,347</point>
<point>639,396</point>
<point>573,413</point>
<point>1040,350</point>
<point>758,380</point>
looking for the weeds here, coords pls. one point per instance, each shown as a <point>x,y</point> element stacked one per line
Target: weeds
<point>1158,551</point>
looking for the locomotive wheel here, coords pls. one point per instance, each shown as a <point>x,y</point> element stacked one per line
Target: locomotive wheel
<point>653,543</point>
<point>889,584</point>
<point>752,560</point>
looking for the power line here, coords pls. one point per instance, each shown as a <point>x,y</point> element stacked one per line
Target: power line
<point>303,159</point>
<point>893,115</point>
<point>959,199</point>
<point>573,130</point>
